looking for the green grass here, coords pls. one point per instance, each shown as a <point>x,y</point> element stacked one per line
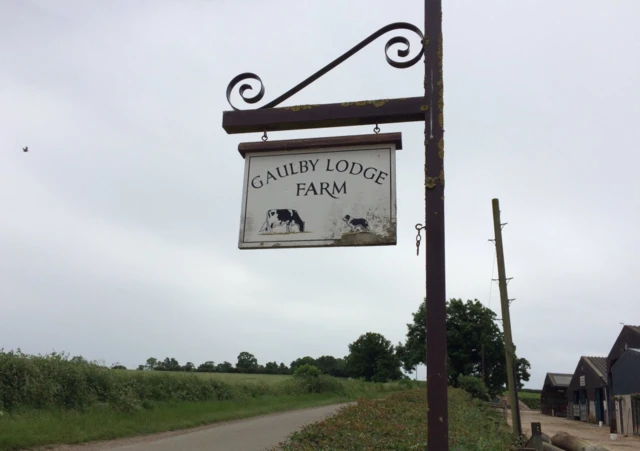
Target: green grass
<point>399,422</point>
<point>39,428</point>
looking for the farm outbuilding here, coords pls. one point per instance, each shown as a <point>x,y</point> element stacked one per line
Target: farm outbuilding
<point>587,392</point>
<point>623,375</point>
<point>553,398</point>
<point>626,380</point>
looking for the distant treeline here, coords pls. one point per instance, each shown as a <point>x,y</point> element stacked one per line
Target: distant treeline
<point>247,364</point>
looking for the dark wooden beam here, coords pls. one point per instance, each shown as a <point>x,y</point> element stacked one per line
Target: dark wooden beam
<point>371,139</point>
<point>301,117</point>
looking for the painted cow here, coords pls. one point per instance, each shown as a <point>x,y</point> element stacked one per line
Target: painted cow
<point>278,218</point>
<point>356,224</point>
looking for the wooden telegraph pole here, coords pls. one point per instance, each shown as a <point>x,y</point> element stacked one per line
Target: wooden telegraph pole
<point>509,348</point>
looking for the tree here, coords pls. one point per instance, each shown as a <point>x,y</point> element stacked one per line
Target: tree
<point>331,366</point>
<point>152,362</point>
<point>189,367</point>
<point>327,364</point>
<point>207,367</point>
<point>283,369</point>
<point>405,354</point>
<point>472,333</point>
<point>140,367</point>
<point>302,361</point>
<point>168,364</point>
<point>522,371</point>
<point>225,367</point>
<point>373,358</point>
<point>118,366</point>
<point>271,368</point>
<point>247,363</point>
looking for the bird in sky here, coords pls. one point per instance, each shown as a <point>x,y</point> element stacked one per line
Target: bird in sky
<point>25,149</point>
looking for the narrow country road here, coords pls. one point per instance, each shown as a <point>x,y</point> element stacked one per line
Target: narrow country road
<point>252,434</point>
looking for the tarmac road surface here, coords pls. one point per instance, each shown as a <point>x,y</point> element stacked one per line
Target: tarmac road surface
<point>251,434</point>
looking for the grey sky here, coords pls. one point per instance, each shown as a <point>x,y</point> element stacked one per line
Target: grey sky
<point>119,229</point>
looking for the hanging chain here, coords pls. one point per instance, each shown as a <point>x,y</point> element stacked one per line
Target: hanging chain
<point>376,129</point>
<point>265,137</point>
<point>419,228</point>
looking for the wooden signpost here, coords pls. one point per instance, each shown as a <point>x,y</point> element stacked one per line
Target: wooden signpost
<point>314,202</point>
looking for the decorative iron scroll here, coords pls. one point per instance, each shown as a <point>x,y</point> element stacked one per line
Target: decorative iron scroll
<point>403,53</point>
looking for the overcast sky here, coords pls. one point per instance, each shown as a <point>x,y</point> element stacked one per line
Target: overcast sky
<point>119,227</point>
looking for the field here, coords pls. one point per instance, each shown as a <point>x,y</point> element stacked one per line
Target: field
<point>531,399</point>
<point>399,422</point>
<point>269,379</point>
<point>51,400</point>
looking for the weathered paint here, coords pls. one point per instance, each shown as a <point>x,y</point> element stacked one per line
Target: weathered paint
<point>338,196</point>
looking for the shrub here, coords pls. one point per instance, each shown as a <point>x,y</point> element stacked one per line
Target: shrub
<point>474,386</point>
<point>307,371</point>
<point>309,379</point>
<point>56,382</point>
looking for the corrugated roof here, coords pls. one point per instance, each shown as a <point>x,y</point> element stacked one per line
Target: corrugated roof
<point>599,364</point>
<point>560,379</point>
<point>635,328</point>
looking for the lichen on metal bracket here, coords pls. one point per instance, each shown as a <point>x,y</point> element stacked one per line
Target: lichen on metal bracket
<point>375,103</point>
<point>441,177</point>
<point>430,182</point>
<point>424,107</point>
<point>441,148</point>
<point>299,107</point>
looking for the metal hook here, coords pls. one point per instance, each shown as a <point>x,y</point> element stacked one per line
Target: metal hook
<point>376,129</point>
<point>265,137</point>
<point>419,228</point>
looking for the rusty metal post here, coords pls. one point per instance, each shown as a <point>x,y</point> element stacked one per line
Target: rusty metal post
<point>436,358</point>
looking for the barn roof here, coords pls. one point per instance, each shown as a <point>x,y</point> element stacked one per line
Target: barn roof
<point>559,379</point>
<point>629,337</point>
<point>599,364</point>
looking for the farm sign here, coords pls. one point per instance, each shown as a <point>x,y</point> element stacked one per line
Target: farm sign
<point>337,191</point>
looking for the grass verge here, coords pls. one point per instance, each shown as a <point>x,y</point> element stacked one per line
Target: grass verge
<point>43,428</point>
<point>399,422</point>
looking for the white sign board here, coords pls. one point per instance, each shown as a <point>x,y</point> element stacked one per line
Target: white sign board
<point>313,197</point>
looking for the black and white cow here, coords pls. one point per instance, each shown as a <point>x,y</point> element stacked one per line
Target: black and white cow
<point>356,224</point>
<point>287,218</point>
